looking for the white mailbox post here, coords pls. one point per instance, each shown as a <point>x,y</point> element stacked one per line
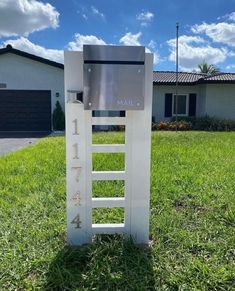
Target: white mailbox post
<point>111,78</point>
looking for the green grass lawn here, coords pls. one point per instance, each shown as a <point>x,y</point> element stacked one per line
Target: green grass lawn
<point>192,219</point>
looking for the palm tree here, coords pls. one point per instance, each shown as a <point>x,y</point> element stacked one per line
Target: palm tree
<point>205,68</point>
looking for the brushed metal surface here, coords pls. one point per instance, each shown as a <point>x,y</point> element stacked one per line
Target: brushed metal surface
<point>113,87</point>
<point>113,53</point>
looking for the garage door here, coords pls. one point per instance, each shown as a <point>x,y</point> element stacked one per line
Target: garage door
<point>25,110</point>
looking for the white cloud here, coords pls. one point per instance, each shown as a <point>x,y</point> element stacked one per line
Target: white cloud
<point>231,16</point>
<point>219,32</point>
<point>187,39</point>
<point>152,48</point>
<point>133,39</point>
<point>84,16</point>
<point>145,17</point>
<point>95,11</point>
<point>24,44</point>
<point>156,56</point>
<point>80,40</point>
<point>21,17</point>
<point>130,39</point>
<point>152,44</point>
<point>193,50</point>
<point>229,67</point>
<point>231,54</point>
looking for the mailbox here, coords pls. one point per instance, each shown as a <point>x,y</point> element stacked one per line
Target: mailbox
<point>108,78</point>
<point>113,77</point>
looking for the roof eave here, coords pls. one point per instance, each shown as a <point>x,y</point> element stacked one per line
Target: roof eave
<point>219,82</point>
<point>174,83</point>
<point>199,82</point>
<point>31,56</point>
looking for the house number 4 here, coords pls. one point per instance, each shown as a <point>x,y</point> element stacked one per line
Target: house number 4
<point>76,221</point>
<point>76,199</point>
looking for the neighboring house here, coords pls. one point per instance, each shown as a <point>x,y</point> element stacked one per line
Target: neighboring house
<point>198,95</point>
<point>31,85</point>
<point>29,88</point>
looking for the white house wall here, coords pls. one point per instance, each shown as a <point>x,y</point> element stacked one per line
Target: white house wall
<point>20,73</point>
<point>159,99</point>
<point>220,101</point>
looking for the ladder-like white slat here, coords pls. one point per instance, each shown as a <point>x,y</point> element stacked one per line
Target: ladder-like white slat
<point>108,120</point>
<point>108,202</point>
<point>108,228</point>
<point>108,175</point>
<point>108,148</point>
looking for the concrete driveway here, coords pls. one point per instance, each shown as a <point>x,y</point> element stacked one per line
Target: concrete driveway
<point>15,141</point>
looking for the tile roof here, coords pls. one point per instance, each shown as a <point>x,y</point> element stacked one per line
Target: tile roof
<point>170,77</point>
<point>184,78</point>
<point>221,77</point>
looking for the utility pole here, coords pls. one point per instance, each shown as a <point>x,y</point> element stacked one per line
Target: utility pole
<point>177,74</point>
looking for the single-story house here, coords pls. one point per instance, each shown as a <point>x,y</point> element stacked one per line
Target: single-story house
<point>29,88</point>
<point>198,95</point>
<point>31,85</point>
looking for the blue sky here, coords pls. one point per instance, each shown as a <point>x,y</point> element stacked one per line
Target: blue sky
<point>46,28</point>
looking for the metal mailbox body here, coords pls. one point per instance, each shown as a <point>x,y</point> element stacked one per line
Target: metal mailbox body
<point>114,77</point>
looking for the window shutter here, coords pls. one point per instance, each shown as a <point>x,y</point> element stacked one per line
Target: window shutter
<point>168,105</point>
<point>192,104</point>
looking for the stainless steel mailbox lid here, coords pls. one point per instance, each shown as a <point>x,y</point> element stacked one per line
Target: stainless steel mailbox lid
<point>111,53</point>
<point>114,77</point>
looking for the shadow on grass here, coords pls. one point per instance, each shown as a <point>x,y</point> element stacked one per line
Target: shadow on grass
<point>110,263</point>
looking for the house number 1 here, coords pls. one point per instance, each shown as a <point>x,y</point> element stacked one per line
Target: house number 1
<point>75,146</point>
<point>75,121</point>
<point>78,169</point>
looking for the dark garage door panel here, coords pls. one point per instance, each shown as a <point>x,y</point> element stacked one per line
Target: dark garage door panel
<point>25,110</point>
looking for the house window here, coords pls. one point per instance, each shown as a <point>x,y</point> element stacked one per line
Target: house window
<point>182,102</point>
<point>187,104</point>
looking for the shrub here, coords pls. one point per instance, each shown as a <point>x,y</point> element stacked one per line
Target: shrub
<point>210,123</point>
<point>118,128</point>
<point>58,117</point>
<point>214,124</point>
<point>166,125</point>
